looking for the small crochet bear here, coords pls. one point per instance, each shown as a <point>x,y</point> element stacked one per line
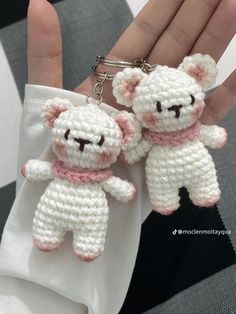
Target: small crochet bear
<point>169,102</point>
<point>86,141</point>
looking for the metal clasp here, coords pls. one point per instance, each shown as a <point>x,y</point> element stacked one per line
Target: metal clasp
<point>97,90</point>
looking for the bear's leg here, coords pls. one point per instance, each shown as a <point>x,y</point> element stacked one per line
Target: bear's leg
<point>204,189</point>
<point>46,237</point>
<point>89,239</point>
<point>164,198</point>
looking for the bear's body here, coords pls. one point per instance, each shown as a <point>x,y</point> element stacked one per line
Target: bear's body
<point>67,206</point>
<point>170,168</point>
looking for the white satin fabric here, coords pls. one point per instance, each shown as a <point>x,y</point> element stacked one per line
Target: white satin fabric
<point>57,282</point>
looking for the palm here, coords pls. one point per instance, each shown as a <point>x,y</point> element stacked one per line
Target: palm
<point>164,32</point>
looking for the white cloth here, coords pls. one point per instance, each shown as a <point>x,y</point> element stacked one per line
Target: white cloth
<point>57,282</point>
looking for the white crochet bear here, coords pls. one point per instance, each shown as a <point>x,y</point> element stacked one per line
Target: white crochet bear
<point>169,102</point>
<point>86,141</point>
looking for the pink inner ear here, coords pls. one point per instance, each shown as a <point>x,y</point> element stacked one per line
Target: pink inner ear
<point>126,127</point>
<point>52,113</point>
<point>199,73</point>
<point>130,88</point>
<point>127,89</point>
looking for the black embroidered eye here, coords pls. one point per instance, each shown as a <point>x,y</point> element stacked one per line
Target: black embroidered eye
<point>101,141</point>
<point>158,105</point>
<point>66,134</point>
<point>192,99</point>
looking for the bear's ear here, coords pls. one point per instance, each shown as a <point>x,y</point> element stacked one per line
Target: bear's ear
<point>202,68</point>
<point>130,128</point>
<point>124,85</point>
<point>52,109</point>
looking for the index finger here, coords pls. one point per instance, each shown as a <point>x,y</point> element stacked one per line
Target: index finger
<point>44,45</point>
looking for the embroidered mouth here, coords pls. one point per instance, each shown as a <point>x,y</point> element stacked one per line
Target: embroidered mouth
<point>82,142</point>
<point>176,108</point>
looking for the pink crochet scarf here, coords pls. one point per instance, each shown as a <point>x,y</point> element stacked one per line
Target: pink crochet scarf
<point>174,138</point>
<point>79,175</point>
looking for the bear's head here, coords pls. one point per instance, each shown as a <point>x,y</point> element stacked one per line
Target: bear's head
<point>86,136</point>
<point>167,99</point>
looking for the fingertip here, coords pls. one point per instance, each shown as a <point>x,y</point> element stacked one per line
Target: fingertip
<point>42,14</point>
<point>44,44</point>
<point>36,4</point>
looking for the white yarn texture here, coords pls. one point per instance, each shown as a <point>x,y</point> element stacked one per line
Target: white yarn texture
<point>74,206</point>
<point>168,102</point>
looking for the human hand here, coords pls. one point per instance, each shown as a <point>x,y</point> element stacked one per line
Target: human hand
<point>163,32</point>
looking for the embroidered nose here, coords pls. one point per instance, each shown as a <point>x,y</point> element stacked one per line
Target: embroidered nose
<point>82,142</point>
<point>176,108</point>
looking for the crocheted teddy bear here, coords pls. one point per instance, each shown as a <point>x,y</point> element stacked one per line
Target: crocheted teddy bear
<point>86,141</point>
<point>169,102</point>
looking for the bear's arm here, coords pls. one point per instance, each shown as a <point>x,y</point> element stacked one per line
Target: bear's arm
<point>37,170</point>
<point>213,136</point>
<point>134,154</point>
<point>122,190</point>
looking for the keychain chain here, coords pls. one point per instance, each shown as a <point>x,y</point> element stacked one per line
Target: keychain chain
<point>97,90</point>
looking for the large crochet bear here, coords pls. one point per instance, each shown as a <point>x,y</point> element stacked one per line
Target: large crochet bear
<point>169,102</point>
<point>86,141</point>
